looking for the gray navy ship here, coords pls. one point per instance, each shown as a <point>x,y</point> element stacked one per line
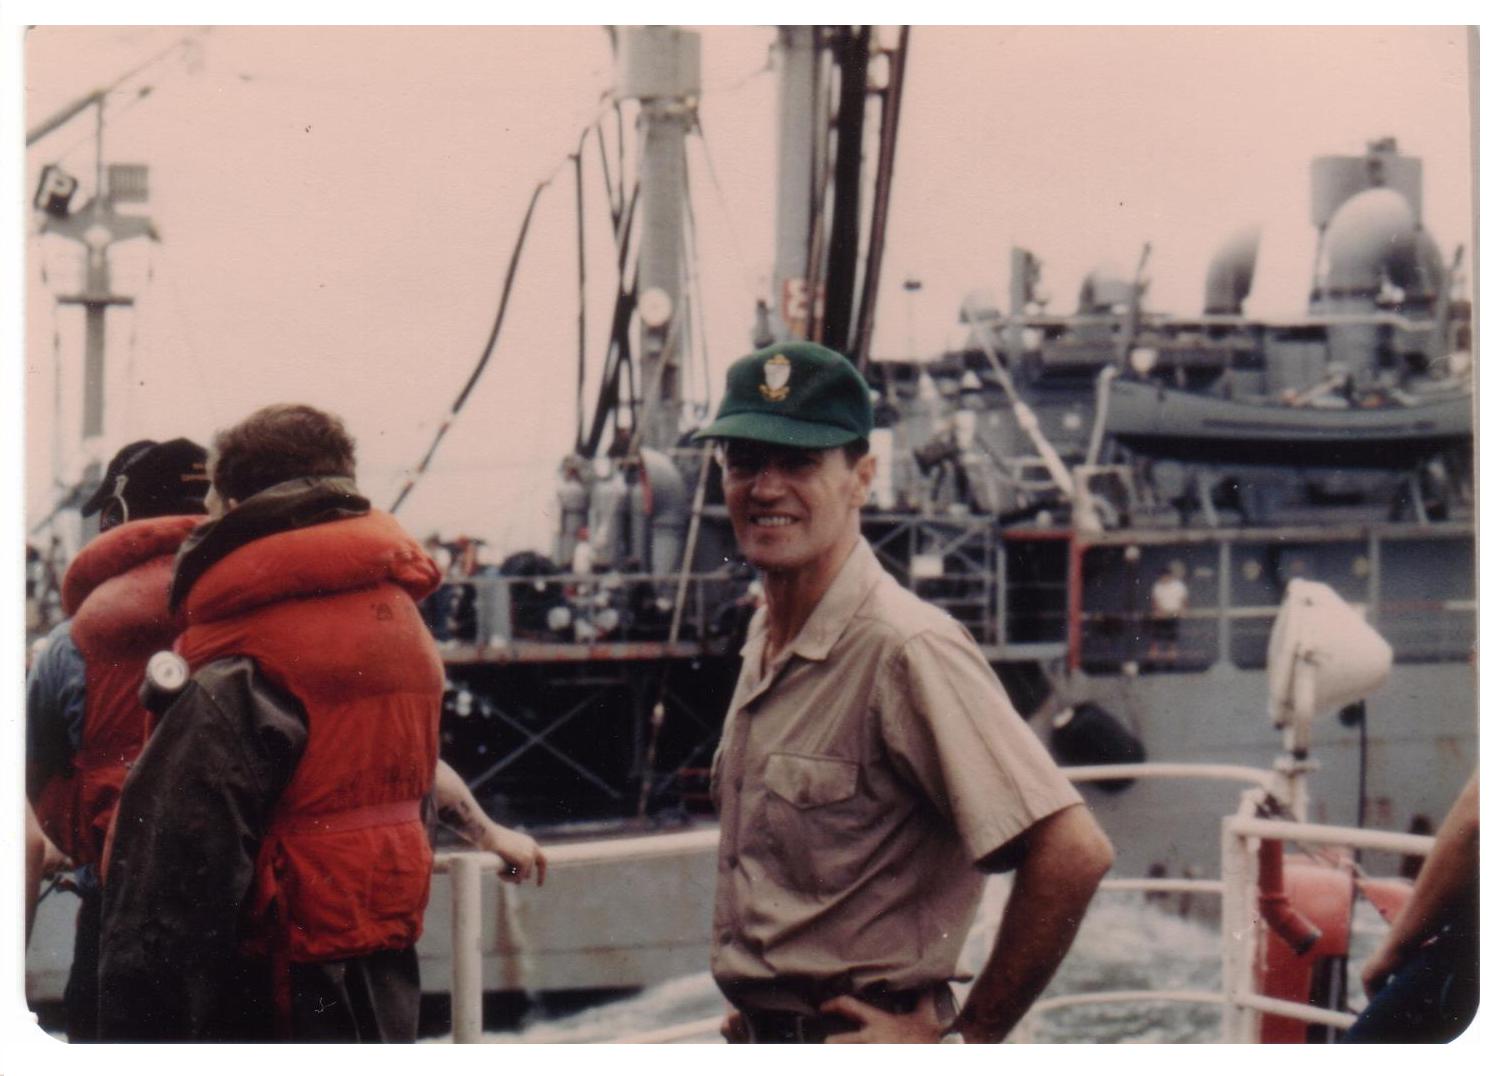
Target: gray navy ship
<point>1112,501</point>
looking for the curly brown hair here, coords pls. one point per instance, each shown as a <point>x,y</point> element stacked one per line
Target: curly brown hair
<point>278,443</point>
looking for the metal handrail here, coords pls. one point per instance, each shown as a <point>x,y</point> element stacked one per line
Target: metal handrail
<point>465,868</point>
<point>1410,844</point>
<point>1249,775</point>
<point>1241,832</point>
<point>1239,997</point>
<point>1241,835</point>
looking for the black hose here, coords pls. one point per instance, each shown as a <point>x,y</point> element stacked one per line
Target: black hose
<point>581,289</point>
<point>486,353</point>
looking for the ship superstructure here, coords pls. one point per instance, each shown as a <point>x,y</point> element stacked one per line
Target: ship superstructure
<point>1039,483</point>
<point>1112,501</point>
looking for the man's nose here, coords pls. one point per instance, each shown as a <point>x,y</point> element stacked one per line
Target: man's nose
<point>769,480</point>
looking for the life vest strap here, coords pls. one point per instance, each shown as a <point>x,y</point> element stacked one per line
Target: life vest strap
<point>376,814</point>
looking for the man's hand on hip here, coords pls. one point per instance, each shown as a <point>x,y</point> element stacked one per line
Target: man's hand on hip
<point>876,1025</point>
<point>734,1027</point>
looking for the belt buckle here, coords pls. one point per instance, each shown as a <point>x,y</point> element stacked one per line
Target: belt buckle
<point>773,1026</point>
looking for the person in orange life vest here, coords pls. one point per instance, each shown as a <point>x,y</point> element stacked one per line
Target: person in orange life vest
<point>271,862</point>
<point>84,723</point>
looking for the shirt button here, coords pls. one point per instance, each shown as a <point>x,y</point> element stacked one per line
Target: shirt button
<point>738,785</point>
<point>732,862</point>
<point>726,937</point>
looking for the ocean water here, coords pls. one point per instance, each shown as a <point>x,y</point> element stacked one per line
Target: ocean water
<point>1127,942</point>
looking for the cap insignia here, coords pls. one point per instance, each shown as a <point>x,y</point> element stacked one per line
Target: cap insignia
<point>776,379</point>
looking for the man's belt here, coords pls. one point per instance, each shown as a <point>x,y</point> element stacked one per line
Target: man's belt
<point>767,1025</point>
<point>773,1025</point>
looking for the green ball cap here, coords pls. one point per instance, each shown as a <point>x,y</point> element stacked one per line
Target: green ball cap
<point>796,393</point>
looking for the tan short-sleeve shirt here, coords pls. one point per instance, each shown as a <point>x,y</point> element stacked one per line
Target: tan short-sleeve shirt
<point>860,779</point>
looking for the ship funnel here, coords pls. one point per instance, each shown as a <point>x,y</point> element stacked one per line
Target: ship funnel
<point>1338,179</point>
<point>1231,272</point>
<point>1322,656</point>
<point>1374,243</point>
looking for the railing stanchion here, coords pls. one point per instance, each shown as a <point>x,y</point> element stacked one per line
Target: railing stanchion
<point>1234,924</point>
<point>465,948</point>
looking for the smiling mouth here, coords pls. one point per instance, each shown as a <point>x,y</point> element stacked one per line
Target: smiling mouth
<point>771,521</point>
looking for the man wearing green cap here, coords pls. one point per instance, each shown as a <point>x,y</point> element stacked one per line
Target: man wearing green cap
<point>871,768</point>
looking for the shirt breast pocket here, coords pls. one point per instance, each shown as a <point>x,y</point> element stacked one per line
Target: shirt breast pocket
<point>812,816</point>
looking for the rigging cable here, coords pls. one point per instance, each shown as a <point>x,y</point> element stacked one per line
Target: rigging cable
<point>502,306</point>
<point>657,715</point>
<point>822,180</point>
<point>620,348</point>
<point>486,354</point>
<point>614,191</point>
<point>750,278</point>
<point>697,312</point>
<point>618,345</point>
<point>850,63</point>
<point>889,123</point>
<point>97,96</point>
<point>89,136</point>
<point>581,287</point>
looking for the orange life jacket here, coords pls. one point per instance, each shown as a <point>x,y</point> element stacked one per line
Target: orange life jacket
<point>116,592</point>
<point>328,613</point>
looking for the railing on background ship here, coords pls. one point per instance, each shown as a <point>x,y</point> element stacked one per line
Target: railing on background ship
<point>1415,584</point>
<point>486,617</point>
<point>1241,835</point>
<point>1024,595</point>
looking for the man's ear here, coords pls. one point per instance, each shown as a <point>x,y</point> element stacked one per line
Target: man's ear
<point>864,469</point>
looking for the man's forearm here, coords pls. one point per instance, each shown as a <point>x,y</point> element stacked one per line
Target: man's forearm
<point>457,807</point>
<point>1448,872</point>
<point>1051,891</point>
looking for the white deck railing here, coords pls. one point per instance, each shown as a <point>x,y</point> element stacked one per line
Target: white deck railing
<point>1241,834</point>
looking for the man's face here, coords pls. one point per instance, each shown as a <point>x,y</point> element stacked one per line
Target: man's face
<point>793,508</point>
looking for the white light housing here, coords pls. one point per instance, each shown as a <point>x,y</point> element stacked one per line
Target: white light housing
<point>1142,359</point>
<point>1322,656</point>
<point>655,307</point>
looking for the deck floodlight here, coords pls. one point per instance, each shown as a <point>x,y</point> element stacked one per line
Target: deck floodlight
<point>1322,656</point>
<point>55,191</point>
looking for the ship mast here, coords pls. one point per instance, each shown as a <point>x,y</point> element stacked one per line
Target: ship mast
<point>802,123</point>
<point>660,67</point>
<point>97,226</point>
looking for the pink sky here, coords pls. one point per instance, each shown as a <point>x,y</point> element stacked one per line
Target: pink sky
<point>337,206</point>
